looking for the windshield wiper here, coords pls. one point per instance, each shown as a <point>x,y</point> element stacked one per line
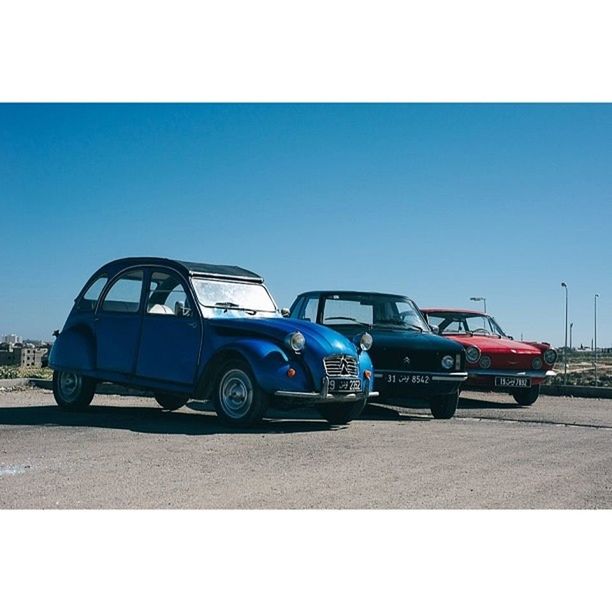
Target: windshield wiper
<point>401,324</point>
<point>233,306</point>
<point>346,319</point>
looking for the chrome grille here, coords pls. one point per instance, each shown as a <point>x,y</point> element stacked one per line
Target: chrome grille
<point>341,365</point>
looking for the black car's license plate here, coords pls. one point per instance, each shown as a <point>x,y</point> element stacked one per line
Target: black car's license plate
<point>512,381</point>
<point>344,385</point>
<point>406,379</point>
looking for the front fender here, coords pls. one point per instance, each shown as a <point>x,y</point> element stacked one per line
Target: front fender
<point>268,362</point>
<point>74,349</point>
<point>365,363</point>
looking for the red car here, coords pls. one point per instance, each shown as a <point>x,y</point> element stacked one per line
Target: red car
<point>495,361</point>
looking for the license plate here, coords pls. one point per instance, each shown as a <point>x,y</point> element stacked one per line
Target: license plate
<point>344,385</point>
<point>407,379</point>
<point>512,381</point>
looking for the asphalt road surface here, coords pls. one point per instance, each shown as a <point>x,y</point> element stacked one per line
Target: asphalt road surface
<point>124,452</point>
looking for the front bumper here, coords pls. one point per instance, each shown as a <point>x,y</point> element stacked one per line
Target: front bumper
<point>520,373</point>
<point>325,396</point>
<point>437,376</point>
<point>412,384</point>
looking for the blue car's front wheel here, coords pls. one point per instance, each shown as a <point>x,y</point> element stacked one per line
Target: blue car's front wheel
<point>238,399</point>
<point>342,413</point>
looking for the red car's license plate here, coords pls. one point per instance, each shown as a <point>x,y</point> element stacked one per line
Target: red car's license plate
<point>512,381</point>
<point>344,385</point>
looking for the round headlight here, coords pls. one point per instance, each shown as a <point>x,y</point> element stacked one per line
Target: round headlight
<point>296,341</point>
<point>550,356</point>
<point>485,362</point>
<point>365,342</point>
<point>448,362</point>
<point>472,354</point>
<point>536,364</point>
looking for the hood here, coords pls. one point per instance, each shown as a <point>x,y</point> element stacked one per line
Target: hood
<point>492,344</point>
<point>413,341</point>
<point>320,339</point>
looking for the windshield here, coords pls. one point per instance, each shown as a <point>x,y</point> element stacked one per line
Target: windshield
<point>377,311</point>
<point>233,299</point>
<point>453,323</point>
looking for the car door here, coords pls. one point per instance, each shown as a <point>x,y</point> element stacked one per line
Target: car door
<point>117,323</point>
<point>171,331</point>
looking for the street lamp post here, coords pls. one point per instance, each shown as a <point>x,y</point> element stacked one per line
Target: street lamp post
<point>564,285</point>
<point>571,327</point>
<point>595,334</point>
<point>480,299</point>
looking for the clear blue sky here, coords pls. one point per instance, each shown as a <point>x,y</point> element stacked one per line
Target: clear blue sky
<point>440,202</point>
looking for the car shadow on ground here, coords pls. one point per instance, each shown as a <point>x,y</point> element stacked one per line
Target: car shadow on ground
<point>384,412</point>
<point>151,420</point>
<point>468,403</point>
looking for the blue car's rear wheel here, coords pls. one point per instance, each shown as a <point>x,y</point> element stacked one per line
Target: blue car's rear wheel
<point>238,399</point>
<point>72,391</point>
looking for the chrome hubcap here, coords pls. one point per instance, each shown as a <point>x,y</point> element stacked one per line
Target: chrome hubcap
<point>70,385</point>
<point>236,393</point>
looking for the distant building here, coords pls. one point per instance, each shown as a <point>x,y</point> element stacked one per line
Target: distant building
<point>21,356</point>
<point>12,339</point>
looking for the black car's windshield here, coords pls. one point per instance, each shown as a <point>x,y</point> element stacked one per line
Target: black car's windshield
<point>465,323</point>
<point>224,299</point>
<point>375,310</point>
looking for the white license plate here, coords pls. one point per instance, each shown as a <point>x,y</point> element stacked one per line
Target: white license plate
<point>512,381</point>
<point>407,379</point>
<point>344,385</point>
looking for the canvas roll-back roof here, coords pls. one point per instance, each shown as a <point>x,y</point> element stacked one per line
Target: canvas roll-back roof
<point>220,271</point>
<point>190,268</point>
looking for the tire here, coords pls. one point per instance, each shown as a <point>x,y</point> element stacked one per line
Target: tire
<point>238,399</point>
<point>72,391</point>
<point>526,397</point>
<point>341,413</point>
<point>444,406</point>
<point>170,401</point>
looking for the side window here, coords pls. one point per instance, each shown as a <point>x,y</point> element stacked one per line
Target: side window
<point>309,310</point>
<point>167,296</point>
<point>124,295</point>
<point>90,299</point>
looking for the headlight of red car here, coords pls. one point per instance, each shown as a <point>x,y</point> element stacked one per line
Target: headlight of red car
<point>472,354</point>
<point>536,364</point>
<point>550,356</point>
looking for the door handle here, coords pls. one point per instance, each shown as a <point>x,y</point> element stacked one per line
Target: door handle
<point>192,324</point>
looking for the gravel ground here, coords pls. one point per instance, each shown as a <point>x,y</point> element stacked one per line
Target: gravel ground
<point>124,452</point>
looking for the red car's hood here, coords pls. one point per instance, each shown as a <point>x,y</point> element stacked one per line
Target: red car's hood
<point>492,344</point>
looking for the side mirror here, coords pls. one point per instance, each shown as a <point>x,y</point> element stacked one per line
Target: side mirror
<point>285,312</point>
<point>180,310</point>
<point>435,329</point>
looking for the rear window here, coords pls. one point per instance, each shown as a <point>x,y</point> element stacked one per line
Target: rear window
<point>90,298</point>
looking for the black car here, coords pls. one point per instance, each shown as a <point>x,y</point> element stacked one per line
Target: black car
<point>410,360</point>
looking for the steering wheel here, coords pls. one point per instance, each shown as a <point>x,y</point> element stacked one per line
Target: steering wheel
<point>480,329</point>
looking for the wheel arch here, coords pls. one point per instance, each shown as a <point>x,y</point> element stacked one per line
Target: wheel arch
<point>255,353</point>
<point>74,349</point>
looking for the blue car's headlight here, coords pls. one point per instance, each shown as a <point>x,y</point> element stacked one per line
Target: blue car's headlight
<point>296,341</point>
<point>364,342</point>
